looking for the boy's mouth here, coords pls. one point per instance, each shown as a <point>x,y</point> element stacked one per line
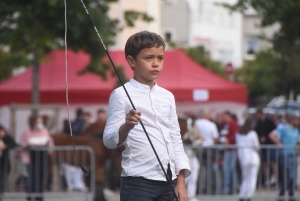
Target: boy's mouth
<point>154,71</point>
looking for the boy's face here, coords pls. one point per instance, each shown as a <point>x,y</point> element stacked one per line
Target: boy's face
<point>148,64</point>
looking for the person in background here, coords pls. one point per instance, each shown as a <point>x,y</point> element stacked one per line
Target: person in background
<point>248,146</point>
<point>287,135</point>
<point>6,143</point>
<point>37,136</point>
<point>229,166</point>
<point>87,117</point>
<point>78,125</point>
<point>210,134</point>
<point>234,117</point>
<point>73,174</point>
<point>191,136</point>
<point>263,128</point>
<point>278,120</point>
<point>220,122</point>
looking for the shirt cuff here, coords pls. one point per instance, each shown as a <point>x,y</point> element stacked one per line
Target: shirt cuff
<point>111,138</point>
<point>183,166</point>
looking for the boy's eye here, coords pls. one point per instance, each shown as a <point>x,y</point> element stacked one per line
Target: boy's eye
<point>160,58</point>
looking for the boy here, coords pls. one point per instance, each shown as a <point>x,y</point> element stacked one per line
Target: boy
<point>142,176</point>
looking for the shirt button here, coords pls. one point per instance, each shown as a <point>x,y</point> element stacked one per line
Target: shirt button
<point>156,121</point>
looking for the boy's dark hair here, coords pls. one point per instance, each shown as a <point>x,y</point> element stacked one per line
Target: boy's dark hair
<point>142,40</point>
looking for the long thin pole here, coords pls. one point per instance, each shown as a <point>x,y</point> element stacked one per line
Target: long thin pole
<point>67,91</point>
<point>87,12</point>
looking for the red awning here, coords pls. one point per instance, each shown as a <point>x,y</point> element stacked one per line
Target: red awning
<point>185,78</point>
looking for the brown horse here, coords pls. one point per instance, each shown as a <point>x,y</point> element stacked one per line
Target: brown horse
<point>93,137</point>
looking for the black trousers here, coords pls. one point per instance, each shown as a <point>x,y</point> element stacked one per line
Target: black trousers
<point>36,179</point>
<point>141,189</point>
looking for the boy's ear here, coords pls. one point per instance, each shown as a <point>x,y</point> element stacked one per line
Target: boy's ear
<point>131,61</point>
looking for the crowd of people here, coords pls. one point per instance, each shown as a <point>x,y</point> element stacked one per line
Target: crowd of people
<point>230,155</point>
<point>228,161</point>
<point>35,157</point>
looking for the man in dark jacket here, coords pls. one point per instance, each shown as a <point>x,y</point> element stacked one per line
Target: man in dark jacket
<point>6,143</point>
<point>263,128</point>
<point>78,125</point>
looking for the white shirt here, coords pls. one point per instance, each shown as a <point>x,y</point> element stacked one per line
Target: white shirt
<point>248,145</point>
<point>158,114</point>
<point>208,130</point>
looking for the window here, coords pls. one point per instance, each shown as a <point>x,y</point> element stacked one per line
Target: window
<point>168,36</point>
<point>251,47</point>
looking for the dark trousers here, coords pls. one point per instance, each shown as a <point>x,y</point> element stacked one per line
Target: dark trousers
<point>3,179</point>
<point>141,189</point>
<point>37,169</point>
<point>288,166</point>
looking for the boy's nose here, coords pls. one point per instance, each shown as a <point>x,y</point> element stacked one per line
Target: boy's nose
<point>155,62</point>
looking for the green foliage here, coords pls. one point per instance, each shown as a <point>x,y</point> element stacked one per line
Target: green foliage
<point>276,71</point>
<point>286,13</point>
<point>8,63</point>
<point>201,56</point>
<point>270,74</point>
<point>39,25</point>
<point>131,16</point>
<point>36,25</point>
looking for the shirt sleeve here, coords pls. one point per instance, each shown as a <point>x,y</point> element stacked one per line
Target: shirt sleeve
<point>181,159</point>
<point>279,132</point>
<point>215,131</point>
<point>255,140</point>
<point>115,118</point>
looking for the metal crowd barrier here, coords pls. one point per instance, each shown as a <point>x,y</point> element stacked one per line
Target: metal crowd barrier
<point>45,176</point>
<point>210,181</point>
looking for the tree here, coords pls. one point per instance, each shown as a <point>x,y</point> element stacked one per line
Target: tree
<point>201,56</point>
<point>9,62</point>
<point>32,28</point>
<point>275,71</point>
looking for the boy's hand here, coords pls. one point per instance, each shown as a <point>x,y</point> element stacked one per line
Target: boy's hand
<point>181,193</point>
<point>132,119</point>
<point>180,188</point>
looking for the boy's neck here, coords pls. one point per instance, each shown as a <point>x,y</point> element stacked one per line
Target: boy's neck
<point>150,83</point>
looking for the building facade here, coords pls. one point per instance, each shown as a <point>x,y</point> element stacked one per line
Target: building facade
<point>255,38</point>
<point>175,21</point>
<point>117,10</point>
<point>217,29</point>
<point>228,37</point>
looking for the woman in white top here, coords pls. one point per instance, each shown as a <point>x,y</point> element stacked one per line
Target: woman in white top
<point>248,146</point>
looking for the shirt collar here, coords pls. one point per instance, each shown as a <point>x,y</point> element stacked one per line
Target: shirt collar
<point>142,86</point>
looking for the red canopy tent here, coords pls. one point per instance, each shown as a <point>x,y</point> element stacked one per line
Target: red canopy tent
<point>186,79</point>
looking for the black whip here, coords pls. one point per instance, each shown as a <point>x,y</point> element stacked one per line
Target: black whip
<point>130,101</point>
